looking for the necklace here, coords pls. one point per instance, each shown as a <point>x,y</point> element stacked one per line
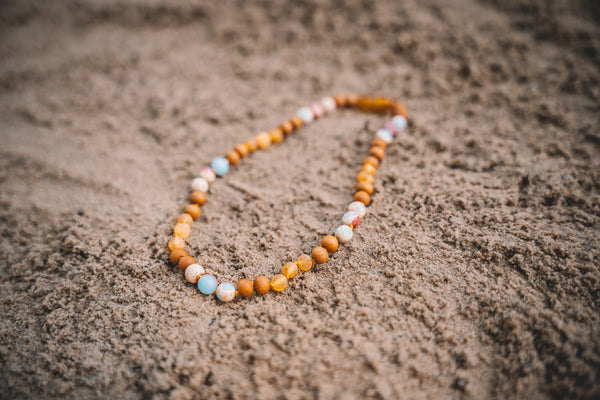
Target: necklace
<point>226,291</point>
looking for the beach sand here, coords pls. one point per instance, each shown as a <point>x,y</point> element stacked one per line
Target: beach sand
<point>475,273</point>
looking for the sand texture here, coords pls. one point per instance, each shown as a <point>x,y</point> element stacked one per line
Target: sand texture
<point>474,275</point>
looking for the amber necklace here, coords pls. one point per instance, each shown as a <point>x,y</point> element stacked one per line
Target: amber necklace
<point>226,291</point>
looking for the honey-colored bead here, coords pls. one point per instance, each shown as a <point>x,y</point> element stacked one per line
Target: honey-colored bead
<point>330,243</point>
<point>351,100</point>
<point>233,157</point>
<point>194,210</point>
<point>251,145</point>
<point>241,149</point>
<point>182,230</point>
<point>377,152</point>
<point>198,197</point>
<point>289,269</point>
<point>286,127</point>
<point>320,255</point>
<point>263,140</point>
<point>380,105</point>
<point>276,136</point>
<point>185,218</point>
<point>186,261</point>
<point>245,287</point>
<point>365,187</point>
<point>297,122</point>
<point>379,143</point>
<point>176,243</point>
<point>373,161</point>
<point>369,169</point>
<point>363,197</point>
<point>364,177</point>
<point>279,282</point>
<point>262,284</point>
<point>176,254</point>
<point>304,262</point>
<point>340,100</point>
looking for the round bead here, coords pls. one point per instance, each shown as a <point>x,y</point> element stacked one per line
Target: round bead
<point>207,284</point>
<point>378,142</point>
<point>289,269</point>
<point>193,273</point>
<point>279,282</point>
<point>245,287</point>
<point>226,291</point>
<point>340,100</point>
<point>286,127</point>
<point>369,169</point>
<point>363,197</point>
<point>364,177</point>
<point>343,233</point>
<point>304,262</point>
<point>176,254</point>
<point>373,161</point>
<point>208,174</point>
<point>365,187</point>
<point>198,197</point>
<point>296,122</point>
<point>182,230</point>
<point>176,243</point>
<point>220,165</point>
<point>358,207</point>
<point>400,122</point>
<point>351,218</point>
<point>251,146</point>
<point>306,115</point>
<point>194,210</point>
<point>185,218</point>
<point>199,184</point>
<point>317,110</point>
<point>328,104</point>
<point>330,243</point>
<point>351,100</point>
<point>185,262</point>
<point>385,135</point>
<point>262,284</point>
<point>233,157</point>
<point>320,255</point>
<point>263,140</point>
<point>377,152</point>
<point>276,135</point>
<point>241,149</point>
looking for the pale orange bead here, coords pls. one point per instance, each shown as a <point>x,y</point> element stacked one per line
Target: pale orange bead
<point>369,169</point>
<point>373,161</point>
<point>198,197</point>
<point>330,243</point>
<point>340,100</point>
<point>279,282</point>
<point>377,152</point>
<point>241,149</point>
<point>194,210</point>
<point>245,287</point>
<point>286,127</point>
<point>304,262</point>
<point>363,197</point>
<point>378,142</point>
<point>262,284</point>
<point>297,122</point>
<point>185,218</point>
<point>365,187</point>
<point>251,145</point>
<point>289,269</point>
<point>320,255</point>
<point>263,140</point>
<point>182,230</point>
<point>233,157</point>
<point>176,254</point>
<point>276,136</point>
<point>364,177</point>
<point>351,100</point>
<point>185,262</point>
<point>176,243</point>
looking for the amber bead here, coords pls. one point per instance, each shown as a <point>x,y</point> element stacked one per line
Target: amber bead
<point>198,197</point>
<point>376,104</point>
<point>279,282</point>
<point>363,197</point>
<point>262,284</point>
<point>241,149</point>
<point>286,127</point>
<point>289,269</point>
<point>400,110</point>
<point>185,218</point>
<point>194,210</point>
<point>176,254</point>
<point>365,177</point>
<point>245,287</point>
<point>330,243</point>
<point>320,255</point>
<point>297,122</point>
<point>176,243</point>
<point>186,261</point>
<point>304,262</point>
<point>233,157</point>
<point>373,161</point>
<point>263,140</point>
<point>365,187</point>
<point>377,152</point>
<point>379,143</point>
<point>340,100</point>
<point>369,169</point>
<point>182,230</point>
<point>276,135</point>
<point>251,145</point>
<point>351,100</point>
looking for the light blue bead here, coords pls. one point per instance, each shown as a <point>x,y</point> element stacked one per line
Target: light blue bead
<point>220,165</point>
<point>306,115</point>
<point>400,122</point>
<point>385,135</point>
<point>343,233</point>
<point>207,284</point>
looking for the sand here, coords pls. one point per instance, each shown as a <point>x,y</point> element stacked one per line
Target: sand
<point>475,273</point>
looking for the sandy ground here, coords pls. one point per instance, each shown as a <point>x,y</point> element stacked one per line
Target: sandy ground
<point>475,273</point>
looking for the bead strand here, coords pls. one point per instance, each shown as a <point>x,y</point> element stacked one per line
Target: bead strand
<point>226,291</point>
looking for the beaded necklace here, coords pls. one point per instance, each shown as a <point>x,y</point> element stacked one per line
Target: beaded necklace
<point>226,291</point>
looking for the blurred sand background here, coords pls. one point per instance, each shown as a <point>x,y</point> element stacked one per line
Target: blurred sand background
<point>475,273</point>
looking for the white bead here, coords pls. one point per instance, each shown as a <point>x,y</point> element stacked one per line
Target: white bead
<point>226,291</point>
<point>343,233</point>
<point>328,104</point>
<point>306,115</point>
<point>193,272</point>
<point>199,184</point>
<point>400,122</point>
<point>208,174</point>
<point>350,218</point>
<point>358,207</point>
<point>385,135</point>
